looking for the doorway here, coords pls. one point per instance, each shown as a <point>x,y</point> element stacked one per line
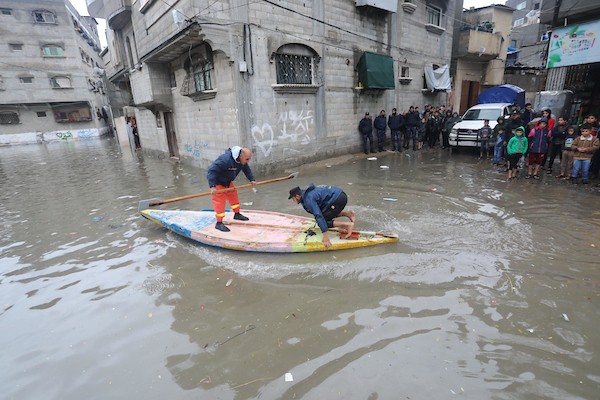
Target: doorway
<point>468,95</point>
<point>171,135</point>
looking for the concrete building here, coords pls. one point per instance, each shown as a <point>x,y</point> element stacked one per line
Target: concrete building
<point>573,53</point>
<point>526,59</point>
<point>50,75</point>
<point>289,79</point>
<point>479,52</point>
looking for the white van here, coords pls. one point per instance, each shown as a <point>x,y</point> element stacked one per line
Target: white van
<point>464,133</point>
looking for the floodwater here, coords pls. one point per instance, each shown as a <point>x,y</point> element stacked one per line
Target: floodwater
<point>491,293</point>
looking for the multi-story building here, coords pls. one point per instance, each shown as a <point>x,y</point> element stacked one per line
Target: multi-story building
<point>526,59</point>
<point>289,79</point>
<point>573,60</point>
<point>51,85</point>
<point>479,52</point>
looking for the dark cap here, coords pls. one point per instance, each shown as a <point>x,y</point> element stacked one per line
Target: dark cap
<point>367,113</point>
<point>294,192</point>
<point>544,120</point>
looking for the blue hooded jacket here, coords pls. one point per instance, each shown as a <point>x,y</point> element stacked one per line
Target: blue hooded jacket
<point>318,199</point>
<point>225,169</point>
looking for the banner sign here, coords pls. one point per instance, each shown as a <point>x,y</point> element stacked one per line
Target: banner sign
<point>574,45</point>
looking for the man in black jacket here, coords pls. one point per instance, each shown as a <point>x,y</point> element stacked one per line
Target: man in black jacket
<point>396,124</point>
<point>380,125</point>
<point>365,127</point>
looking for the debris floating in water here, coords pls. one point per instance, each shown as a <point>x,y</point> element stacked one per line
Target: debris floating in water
<point>372,158</point>
<point>289,377</point>
<point>390,199</point>
<point>565,317</point>
<point>229,282</point>
<point>384,167</point>
<point>247,203</point>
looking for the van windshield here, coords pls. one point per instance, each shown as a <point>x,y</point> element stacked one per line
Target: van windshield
<point>480,114</point>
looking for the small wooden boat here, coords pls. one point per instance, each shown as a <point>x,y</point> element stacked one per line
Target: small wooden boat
<point>265,231</point>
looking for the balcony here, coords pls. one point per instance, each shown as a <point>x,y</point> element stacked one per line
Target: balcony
<point>116,12</point>
<point>479,45</point>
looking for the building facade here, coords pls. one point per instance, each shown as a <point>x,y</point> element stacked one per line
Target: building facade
<point>51,85</point>
<point>479,52</point>
<point>573,60</point>
<point>289,79</point>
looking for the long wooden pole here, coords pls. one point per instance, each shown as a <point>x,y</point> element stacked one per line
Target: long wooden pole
<point>144,204</point>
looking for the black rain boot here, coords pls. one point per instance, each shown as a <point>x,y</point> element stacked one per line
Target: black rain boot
<point>240,217</point>
<point>221,227</point>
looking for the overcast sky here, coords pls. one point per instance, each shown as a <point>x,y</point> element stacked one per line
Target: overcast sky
<point>480,3</point>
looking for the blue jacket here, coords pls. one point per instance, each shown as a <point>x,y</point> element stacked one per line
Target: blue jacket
<point>380,123</point>
<point>538,140</point>
<point>413,119</point>
<point>317,199</point>
<point>396,122</point>
<point>365,126</point>
<point>224,170</point>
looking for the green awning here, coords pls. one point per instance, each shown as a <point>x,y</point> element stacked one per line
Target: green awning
<point>376,71</point>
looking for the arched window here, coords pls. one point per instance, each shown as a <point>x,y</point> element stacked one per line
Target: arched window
<point>295,64</point>
<point>199,69</point>
<point>9,118</point>
<point>43,17</point>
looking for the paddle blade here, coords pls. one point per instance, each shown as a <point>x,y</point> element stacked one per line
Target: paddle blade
<point>145,204</point>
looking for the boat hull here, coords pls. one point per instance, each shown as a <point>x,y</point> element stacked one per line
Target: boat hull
<point>266,231</point>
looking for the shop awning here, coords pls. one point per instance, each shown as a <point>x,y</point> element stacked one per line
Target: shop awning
<point>376,71</point>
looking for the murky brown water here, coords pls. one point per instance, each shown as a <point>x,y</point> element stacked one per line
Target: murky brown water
<point>492,293</point>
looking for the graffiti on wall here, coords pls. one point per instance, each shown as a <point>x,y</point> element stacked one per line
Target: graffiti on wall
<point>85,133</point>
<point>291,127</point>
<point>195,150</point>
<point>64,135</point>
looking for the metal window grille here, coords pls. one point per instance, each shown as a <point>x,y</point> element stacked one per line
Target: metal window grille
<point>202,73</point>
<point>294,69</point>
<point>26,79</point>
<point>434,16</point>
<point>16,46</point>
<point>9,118</point>
<point>43,17</point>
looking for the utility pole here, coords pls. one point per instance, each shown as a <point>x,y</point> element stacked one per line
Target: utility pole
<point>557,4</point>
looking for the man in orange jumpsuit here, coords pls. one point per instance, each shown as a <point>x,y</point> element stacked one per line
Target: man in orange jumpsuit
<point>221,175</point>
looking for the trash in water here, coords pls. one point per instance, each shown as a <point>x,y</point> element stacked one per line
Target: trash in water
<point>565,317</point>
<point>372,158</point>
<point>384,167</point>
<point>289,377</point>
<point>229,282</point>
<point>247,204</point>
<point>390,199</point>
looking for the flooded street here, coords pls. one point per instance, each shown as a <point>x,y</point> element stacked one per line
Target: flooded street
<point>493,291</point>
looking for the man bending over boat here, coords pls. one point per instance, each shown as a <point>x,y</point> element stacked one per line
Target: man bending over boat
<point>221,175</point>
<point>325,203</point>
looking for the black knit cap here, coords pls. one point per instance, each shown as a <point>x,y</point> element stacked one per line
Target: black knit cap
<point>294,192</point>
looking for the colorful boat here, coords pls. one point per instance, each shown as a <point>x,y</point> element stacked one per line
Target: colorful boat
<point>266,231</point>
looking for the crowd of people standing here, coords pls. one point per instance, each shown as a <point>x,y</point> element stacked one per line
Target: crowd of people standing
<point>525,138</point>
<point>411,128</point>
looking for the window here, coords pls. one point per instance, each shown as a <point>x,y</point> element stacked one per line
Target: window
<point>294,69</point>
<point>521,6</point>
<point>26,79</point>
<point>513,43</point>
<point>44,17</point>
<point>404,72</point>
<point>129,52</point>
<point>434,15</point>
<point>41,114</point>
<point>519,22</point>
<point>172,79</point>
<point>199,68</point>
<point>51,50</point>
<point>60,82</point>
<point>16,47</point>
<point>73,112</point>
<point>536,6</point>
<point>5,11</point>
<point>9,118</point>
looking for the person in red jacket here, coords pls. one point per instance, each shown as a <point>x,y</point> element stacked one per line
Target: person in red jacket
<point>538,139</point>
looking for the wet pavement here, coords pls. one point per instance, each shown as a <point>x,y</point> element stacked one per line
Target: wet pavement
<point>491,293</point>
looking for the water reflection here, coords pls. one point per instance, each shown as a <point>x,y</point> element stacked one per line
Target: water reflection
<point>492,291</point>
